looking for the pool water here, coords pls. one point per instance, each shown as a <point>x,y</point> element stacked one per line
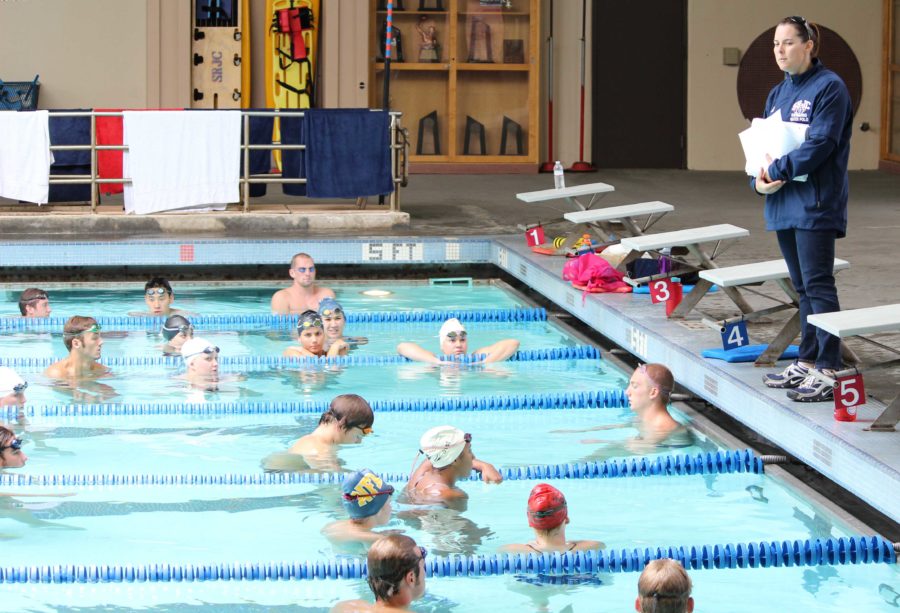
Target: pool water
<point>382,339</point>
<point>255,298</point>
<point>261,523</point>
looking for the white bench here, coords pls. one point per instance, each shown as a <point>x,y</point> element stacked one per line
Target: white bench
<point>691,239</point>
<point>857,322</point>
<point>571,195</point>
<point>601,219</point>
<point>757,273</point>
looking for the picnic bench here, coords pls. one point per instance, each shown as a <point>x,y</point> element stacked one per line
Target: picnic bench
<point>691,239</point>
<point>859,322</point>
<point>758,273</point>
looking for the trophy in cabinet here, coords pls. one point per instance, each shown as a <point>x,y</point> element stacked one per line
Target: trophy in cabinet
<point>480,45</point>
<point>429,49</point>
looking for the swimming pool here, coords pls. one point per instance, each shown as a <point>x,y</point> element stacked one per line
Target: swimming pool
<point>204,524</point>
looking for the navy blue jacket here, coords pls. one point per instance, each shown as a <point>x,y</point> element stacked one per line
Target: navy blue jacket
<point>819,98</point>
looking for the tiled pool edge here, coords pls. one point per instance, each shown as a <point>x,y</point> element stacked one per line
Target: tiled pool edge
<point>632,324</point>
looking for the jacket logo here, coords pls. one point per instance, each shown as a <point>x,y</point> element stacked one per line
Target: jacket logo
<point>800,111</point>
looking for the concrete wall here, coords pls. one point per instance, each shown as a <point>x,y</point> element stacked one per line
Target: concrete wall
<point>714,117</point>
<point>88,53</point>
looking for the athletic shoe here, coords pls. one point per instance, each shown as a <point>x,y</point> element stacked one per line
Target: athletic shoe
<point>813,390</point>
<point>790,377</point>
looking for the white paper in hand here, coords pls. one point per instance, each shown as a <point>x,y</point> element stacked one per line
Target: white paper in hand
<point>773,137</point>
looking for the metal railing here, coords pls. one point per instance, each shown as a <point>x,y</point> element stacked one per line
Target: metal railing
<point>398,143</point>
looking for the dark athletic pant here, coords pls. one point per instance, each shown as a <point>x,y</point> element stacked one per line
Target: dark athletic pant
<point>810,259</point>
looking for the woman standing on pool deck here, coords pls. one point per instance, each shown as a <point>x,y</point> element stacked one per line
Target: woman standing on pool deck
<point>808,215</point>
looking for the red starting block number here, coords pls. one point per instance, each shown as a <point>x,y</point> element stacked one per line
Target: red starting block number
<point>660,290</point>
<point>534,236</point>
<point>849,394</point>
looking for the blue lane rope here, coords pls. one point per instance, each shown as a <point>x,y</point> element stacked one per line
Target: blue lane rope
<point>579,352</point>
<point>596,399</point>
<point>55,324</point>
<point>720,462</point>
<point>765,554</point>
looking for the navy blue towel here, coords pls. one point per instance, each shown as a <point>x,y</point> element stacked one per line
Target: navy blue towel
<point>70,131</point>
<point>349,153</point>
<point>293,163</point>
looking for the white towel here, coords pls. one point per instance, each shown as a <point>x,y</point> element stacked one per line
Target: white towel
<point>181,159</point>
<point>25,155</point>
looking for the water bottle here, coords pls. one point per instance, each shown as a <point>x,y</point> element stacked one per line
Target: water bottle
<point>559,179</point>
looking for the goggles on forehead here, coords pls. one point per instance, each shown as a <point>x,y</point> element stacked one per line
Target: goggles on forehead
<point>14,444</point>
<point>462,335</point>
<point>385,492</point>
<point>207,350</point>
<point>309,323</point>
<point>156,291</point>
<point>331,312</point>
<point>187,330</point>
<point>95,328</point>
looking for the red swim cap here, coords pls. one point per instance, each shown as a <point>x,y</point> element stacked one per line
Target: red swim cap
<point>546,507</point>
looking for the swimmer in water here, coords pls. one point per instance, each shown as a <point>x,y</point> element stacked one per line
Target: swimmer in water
<point>201,359</point>
<point>367,500</point>
<point>176,331</point>
<point>454,342</point>
<point>81,336</point>
<point>396,575</point>
<point>159,297</point>
<point>12,388</point>
<point>332,315</point>
<point>311,334</point>
<point>449,458</point>
<point>347,421</point>
<point>548,515</point>
<point>34,302</point>
<point>648,394</point>
<point>303,294</point>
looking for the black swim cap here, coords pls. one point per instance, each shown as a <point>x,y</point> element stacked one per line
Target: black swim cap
<point>174,325</point>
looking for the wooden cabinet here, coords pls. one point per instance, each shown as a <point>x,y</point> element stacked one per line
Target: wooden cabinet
<point>466,82</point>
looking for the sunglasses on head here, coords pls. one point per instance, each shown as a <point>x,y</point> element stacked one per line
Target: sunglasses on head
<point>800,21</point>
<point>303,269</point>
<point>14,444</point>
<point>457,335</point>
<point>156,291</point>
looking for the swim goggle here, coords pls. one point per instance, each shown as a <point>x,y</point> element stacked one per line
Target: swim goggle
<point>467,438</point>
<point>36,297</point>
<point>156,291</point>
<point>662,389</point>
<point>366,430</point>
<point>14,444</point>
<point>385,492</point>
<point>310,323</point>
<point>95,328</point>
<point>207,350</point>
<point>187,330</point>
<point>331,312</point>
<point>20,387</point>
<point>452,336</point>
